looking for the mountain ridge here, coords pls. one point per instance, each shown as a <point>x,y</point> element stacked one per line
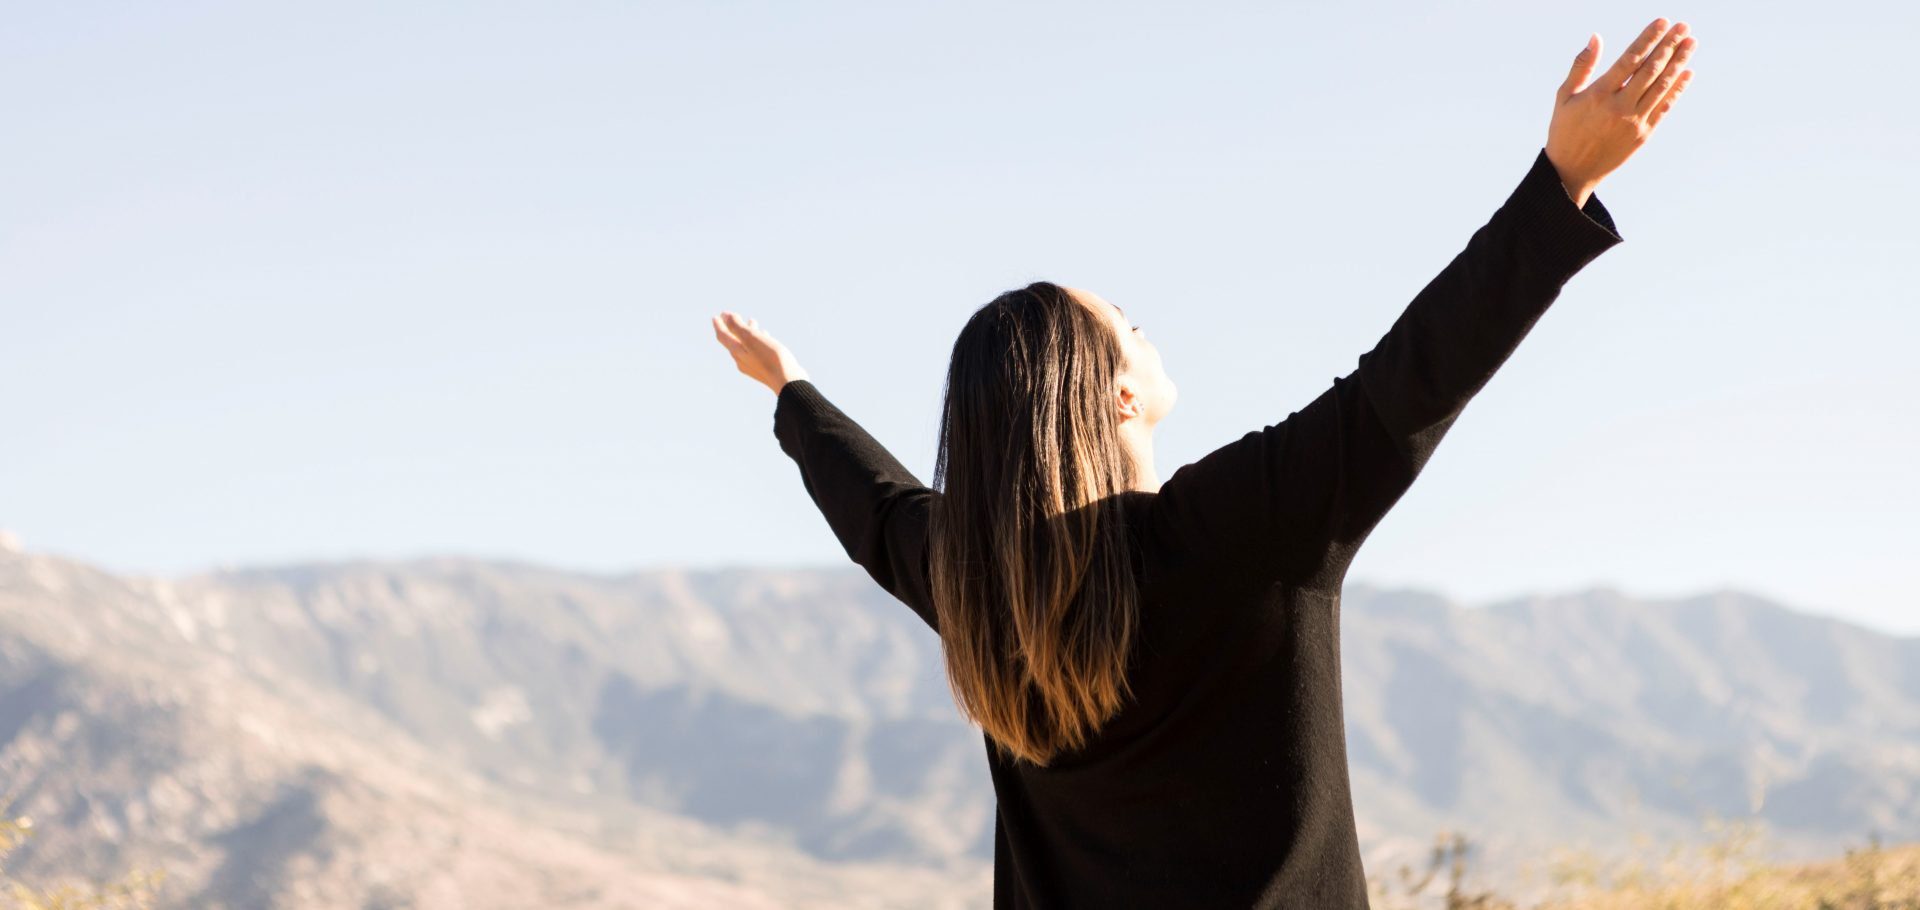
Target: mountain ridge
<point>797,720</point>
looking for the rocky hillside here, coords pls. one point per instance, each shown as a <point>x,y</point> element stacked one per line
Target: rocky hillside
<point>470,733</point>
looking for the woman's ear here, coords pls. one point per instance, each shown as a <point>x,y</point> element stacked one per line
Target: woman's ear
<point>1129,401</point>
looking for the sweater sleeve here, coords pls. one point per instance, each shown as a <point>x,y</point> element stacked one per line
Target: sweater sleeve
<point>875,506</point>
<point>1293,501</point>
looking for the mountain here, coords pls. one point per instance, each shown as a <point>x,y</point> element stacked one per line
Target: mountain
<point>1595,718</point>
<point>451,732</point>
<point>353,738</point>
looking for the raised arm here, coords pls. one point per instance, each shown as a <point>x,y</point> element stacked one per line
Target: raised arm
<point>1293,501</point>
<point>875,506</point>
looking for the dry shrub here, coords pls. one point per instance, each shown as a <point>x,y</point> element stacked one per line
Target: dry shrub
<point>1723,874</point>
<point>134,892</point>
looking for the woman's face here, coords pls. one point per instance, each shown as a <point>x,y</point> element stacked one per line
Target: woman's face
<point>1145,392</point>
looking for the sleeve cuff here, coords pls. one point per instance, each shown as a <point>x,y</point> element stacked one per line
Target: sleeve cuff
<point>798,399</point>
<point>1561,235</point>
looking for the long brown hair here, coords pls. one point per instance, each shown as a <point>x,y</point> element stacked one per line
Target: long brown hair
<point>1031,577</point>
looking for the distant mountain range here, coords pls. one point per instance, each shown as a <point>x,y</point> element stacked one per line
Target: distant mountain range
<point>464,733</point>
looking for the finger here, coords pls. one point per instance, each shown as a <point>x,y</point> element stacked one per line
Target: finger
<point>1656,63</point>
<point>1617,74</point>
<point>1582,68</point>
<point>743,324</point>
<point>1666,105</point>
<point>1669,77</point>
<point>726,336</point>
<point>751,339</point>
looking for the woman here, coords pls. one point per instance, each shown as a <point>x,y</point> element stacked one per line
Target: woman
<point>1155,666</point>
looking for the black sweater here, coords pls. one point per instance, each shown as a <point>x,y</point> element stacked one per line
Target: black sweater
<point>1224,784</point>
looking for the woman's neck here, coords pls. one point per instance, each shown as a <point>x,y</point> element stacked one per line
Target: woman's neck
<point>1139,443</point>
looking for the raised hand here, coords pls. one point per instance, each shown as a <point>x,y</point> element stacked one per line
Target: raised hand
<point>759,355</point>
<point>1596,128</point>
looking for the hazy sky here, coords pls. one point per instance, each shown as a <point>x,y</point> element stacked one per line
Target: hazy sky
<point>284,282</point>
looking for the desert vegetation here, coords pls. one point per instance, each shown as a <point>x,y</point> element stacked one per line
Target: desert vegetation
<point>1723,873</point>
<point>135,891</point>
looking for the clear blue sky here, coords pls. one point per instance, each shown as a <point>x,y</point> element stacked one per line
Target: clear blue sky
<point>286,282</point>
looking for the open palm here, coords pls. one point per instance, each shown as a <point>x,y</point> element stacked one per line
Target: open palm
<point>1598,125</point>
<point>759,355</point>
